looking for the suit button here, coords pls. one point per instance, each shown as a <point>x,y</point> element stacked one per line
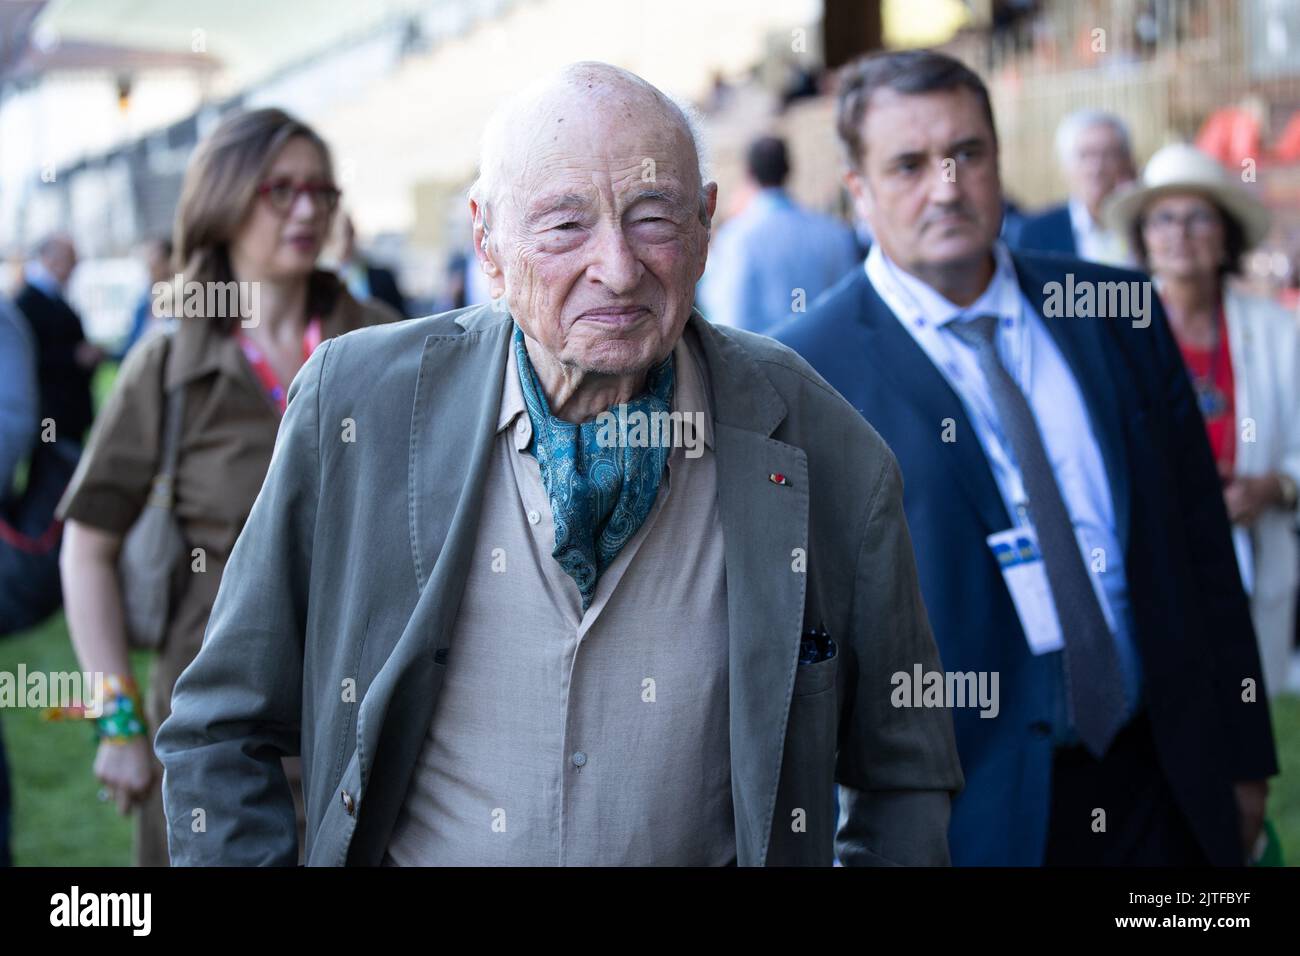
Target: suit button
<point>348,803</point>
<point>1041,728</point>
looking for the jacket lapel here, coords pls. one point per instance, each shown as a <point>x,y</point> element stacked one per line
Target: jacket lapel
<point>918,384</point>
<point>453,421</point>
<point>763,522</point>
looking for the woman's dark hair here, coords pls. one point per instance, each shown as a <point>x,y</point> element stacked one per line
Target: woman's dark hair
<point>1234,240</point>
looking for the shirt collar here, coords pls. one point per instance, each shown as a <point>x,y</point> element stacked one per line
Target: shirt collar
<point>1081,220</point>
<point>690,394</point>
<point>1000,298</point>
<point>771,197</point>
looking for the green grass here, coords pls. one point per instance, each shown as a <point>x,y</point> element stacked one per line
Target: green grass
<point>57,818</point>
<point>59,822</point>
<point>1284,795</point>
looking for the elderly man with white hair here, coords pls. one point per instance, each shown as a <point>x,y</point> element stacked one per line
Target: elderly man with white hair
<point>575,577</point>
<point>1096,158</point>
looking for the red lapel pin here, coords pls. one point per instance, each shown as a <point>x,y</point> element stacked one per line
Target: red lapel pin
<point>777,478</point>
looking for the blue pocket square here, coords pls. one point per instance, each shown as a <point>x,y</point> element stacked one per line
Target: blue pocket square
<point>816,646</point>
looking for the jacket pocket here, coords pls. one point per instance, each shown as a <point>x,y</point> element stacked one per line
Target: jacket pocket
<point>815,678</point>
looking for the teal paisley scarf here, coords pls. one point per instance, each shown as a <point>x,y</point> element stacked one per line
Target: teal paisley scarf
<point>599,495</point>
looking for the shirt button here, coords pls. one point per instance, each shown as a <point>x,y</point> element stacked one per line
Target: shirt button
<point>348,803</point>
<point>534,517</point>
<point>579,759</point>
<point>1040,728</point>
<point>522,426</point>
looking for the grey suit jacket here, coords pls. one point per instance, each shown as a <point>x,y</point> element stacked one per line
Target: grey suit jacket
<point>329,636</point>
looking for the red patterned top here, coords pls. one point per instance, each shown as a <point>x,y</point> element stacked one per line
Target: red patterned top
<point>1211,372</point>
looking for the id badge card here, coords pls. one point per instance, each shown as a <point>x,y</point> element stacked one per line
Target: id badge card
<point>1025,574</point>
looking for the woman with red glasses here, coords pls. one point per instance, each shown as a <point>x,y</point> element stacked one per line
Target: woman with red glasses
<point>247,310</point>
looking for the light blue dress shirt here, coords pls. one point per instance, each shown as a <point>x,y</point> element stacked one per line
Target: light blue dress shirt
<point>771,261</point>
<point>1030,354</point>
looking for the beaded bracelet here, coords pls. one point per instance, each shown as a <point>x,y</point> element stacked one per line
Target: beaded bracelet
<point>122,718</point>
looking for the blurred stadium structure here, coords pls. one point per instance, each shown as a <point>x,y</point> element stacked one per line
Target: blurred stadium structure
<point>101,101</point>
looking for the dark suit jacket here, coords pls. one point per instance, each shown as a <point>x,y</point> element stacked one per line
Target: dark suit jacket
<point>383,286</point>
<point>1049,231</point>
<point>1192,622</point>
<point>353,561</point>
<point>64,385</point>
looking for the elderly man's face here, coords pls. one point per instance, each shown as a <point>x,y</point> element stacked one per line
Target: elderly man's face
<point>1100,163</point>
<point>600,240</point>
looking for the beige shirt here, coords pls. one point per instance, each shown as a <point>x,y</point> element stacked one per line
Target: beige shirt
<point>563,738</point>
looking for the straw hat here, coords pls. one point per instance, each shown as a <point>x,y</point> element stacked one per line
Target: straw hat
<point>1179,168</point>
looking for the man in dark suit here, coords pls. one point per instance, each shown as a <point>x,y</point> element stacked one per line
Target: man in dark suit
<point>65,361</point>
<point>364,279</point>
<point>1063,502</point>
<point>1096,158</point>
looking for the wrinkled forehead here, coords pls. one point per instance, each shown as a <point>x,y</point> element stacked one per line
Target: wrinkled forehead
<point>601,142</point>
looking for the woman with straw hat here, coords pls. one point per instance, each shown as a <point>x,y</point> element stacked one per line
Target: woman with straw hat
<point>1190,224</point>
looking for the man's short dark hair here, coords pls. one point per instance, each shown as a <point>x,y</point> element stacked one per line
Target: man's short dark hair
<point>904,71</point>
<point>767,161</point>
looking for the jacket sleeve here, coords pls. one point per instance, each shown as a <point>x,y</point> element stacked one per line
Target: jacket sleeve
<point>19,400</point>
<point>898,766</point>
<point>116,471</point>
<point>236,709</point>
<point>1223,605</point>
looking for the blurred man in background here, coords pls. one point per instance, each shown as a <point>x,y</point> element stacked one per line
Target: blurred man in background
<point>772,260</point>
<point>1096,158</point>
<point>65,360</point>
